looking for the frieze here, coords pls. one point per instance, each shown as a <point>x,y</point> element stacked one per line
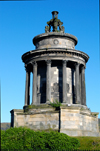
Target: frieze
<point>52,42</point>
<point>64,52</point>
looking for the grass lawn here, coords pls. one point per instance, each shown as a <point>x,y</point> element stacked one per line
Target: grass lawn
<point>89,143</point>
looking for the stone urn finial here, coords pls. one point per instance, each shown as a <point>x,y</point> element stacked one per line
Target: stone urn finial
<point>54,23</point>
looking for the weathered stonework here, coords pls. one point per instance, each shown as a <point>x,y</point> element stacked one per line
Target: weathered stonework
<point>58,72</point>
<point>55,40</point>
<point>77,121</point>
<point>37,119</point>
<point>71,120</point>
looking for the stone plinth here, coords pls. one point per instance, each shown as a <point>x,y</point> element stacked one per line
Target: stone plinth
<point>70,119</point>
<point>79,121</point>
<point>38,118</point>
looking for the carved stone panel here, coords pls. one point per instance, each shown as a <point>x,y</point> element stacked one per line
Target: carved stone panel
<point>55,41</point>
<point>56,87</point>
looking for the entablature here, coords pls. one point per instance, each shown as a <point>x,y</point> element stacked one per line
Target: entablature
<point>61,53</point>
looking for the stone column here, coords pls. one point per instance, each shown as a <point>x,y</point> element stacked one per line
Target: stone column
<point>27,87</point>
<point>73,86</point>
<point>83,92</point>
<point>48,81</point>
<point>64,82</point>
<point>80,76</point>
<point>34,92</point>
<point>77,84</point>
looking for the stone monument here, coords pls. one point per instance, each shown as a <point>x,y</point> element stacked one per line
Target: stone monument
<point>58,74</point>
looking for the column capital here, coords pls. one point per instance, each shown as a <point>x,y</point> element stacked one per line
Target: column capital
<point>64,61</point>
<point>83,67</point>
<point>34,63</point>
<point>48,62</point>
<point>26,68</point>
<point>76,64</point>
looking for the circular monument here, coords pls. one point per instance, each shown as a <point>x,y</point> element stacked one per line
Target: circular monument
<point>58,69</point>
<point>58,72</point>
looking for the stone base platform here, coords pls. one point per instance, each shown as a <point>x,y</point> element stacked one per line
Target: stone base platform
<point>71,119</point>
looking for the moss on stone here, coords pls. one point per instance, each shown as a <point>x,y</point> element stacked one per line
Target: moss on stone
<point>95,114</point>
<point>41,106</point>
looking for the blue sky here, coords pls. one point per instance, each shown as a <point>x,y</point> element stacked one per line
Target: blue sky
<point>20,21</point>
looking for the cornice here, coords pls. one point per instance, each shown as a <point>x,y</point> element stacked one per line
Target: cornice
<point>63,51</point>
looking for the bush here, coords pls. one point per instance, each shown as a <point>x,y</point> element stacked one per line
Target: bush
<point>24,138</point>
<point>15,138</point>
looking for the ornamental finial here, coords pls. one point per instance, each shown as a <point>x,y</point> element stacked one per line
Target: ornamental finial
<point>54,23</point>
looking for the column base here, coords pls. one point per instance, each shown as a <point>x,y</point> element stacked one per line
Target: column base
<point>47,102</point>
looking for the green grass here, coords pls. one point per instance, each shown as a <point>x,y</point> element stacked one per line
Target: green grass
<point>89,143</point>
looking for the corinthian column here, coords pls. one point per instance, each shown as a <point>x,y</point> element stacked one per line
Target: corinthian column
<point>83,92</point>
<point>64,82</point>
<point>34,94</point>
<point>77,84</point>
<point>27,87</point>
<point>48,81</point>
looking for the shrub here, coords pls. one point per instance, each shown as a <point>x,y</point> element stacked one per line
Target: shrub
<point>23,138</point>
